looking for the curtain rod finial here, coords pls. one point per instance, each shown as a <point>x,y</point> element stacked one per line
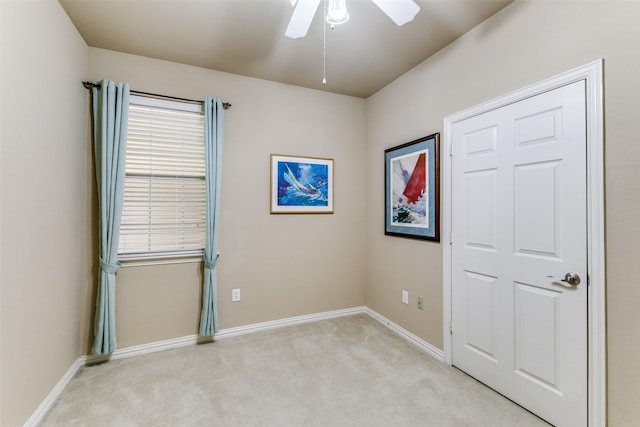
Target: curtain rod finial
<point>89,85</point>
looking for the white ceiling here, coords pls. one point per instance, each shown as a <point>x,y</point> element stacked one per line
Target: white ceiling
<point>246,37</point>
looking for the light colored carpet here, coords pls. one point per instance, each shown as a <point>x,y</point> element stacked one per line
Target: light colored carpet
<point>349,371</point>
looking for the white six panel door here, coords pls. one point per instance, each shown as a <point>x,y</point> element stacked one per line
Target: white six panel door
<point>519,215</point>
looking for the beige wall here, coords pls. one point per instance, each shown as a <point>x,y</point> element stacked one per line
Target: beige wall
<point>285,265</point>
<point>45,208</point>
<point>523,44</point>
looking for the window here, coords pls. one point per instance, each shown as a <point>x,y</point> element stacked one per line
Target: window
<point>164,207</point>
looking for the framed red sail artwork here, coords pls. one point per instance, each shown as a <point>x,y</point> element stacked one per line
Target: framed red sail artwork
<point>412,189</point>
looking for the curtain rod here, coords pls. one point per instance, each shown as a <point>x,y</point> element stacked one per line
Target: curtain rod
<point>89,85</point>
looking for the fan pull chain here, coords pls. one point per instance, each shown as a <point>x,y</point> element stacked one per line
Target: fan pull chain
<point>324,46</point>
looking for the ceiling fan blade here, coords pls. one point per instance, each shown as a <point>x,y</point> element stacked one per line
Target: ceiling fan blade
<point>301,19</point>
<point>400,11</point>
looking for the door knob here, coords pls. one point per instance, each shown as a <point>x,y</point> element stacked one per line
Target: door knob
<point>571,278</point>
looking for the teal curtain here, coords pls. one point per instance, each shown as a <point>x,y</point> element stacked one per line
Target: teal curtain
<point>213,117</point>
<point>110,113</point>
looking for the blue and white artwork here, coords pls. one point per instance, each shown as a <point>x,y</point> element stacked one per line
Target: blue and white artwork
<point>301,185</point>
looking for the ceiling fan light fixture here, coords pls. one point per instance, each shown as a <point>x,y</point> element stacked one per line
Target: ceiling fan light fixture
<point>337,12</point>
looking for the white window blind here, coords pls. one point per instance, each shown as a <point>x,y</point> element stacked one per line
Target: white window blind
<point>164,196</point>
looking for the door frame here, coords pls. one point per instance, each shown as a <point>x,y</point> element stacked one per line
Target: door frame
<point>596,311</point>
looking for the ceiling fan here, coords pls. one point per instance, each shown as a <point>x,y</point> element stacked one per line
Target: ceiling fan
<point>400,12</point>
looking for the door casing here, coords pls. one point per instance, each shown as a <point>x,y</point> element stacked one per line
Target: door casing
<point>596,312</point>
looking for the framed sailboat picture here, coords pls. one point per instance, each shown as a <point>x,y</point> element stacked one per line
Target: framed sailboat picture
<point>412,189</point>
<point>301,185</point>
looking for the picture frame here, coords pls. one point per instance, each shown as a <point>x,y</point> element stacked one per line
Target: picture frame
<point>301,185</point>
<point>412,189</point>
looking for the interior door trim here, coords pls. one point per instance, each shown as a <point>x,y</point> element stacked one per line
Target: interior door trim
<point>596,313</point>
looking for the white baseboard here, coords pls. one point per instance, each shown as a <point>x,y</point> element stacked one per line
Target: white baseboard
<point>290,321</point>
<point>51,398</point>
<point>413,339</point>
<point>222,334</point>
<point>138,350</point>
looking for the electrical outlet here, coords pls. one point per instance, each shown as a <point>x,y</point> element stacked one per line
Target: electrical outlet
<point>420,303</point>
<point>235,295</point>
<point>405,297</point>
